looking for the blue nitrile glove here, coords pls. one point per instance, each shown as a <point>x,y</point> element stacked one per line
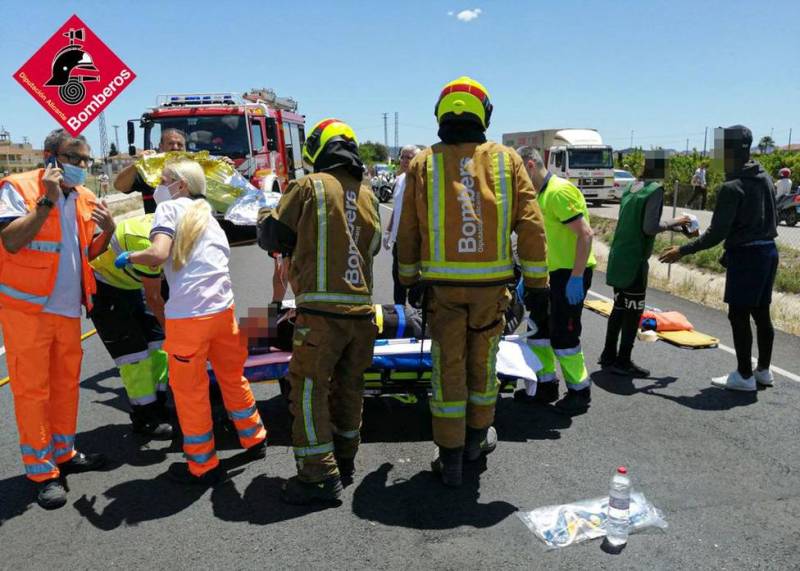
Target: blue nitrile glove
<point>122,260</point>
<point>575,293</point>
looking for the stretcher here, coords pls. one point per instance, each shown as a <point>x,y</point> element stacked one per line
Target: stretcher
<point>402,366</point>
<point>683,339</point>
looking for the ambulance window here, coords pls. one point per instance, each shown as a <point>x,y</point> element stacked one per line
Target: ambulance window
<point>290,144</point>
<point>258,138</point>
<point>559,159</point>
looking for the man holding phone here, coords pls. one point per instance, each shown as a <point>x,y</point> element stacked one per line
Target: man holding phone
<point>47,230</point>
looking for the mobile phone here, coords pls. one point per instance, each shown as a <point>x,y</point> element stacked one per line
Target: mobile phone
<point>51,162</point>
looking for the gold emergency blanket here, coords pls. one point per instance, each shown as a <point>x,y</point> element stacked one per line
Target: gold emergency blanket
<point>223,183</point>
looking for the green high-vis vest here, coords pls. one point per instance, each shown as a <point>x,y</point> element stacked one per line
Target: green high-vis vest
<point>631,247</point>
<point>131,235</point>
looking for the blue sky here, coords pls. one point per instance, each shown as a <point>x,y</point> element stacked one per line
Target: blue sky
<point>664,69</point>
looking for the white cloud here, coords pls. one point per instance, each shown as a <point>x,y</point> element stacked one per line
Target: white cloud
<point>468,15</point>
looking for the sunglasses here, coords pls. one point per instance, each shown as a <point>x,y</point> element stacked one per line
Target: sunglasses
<point>76,159</point>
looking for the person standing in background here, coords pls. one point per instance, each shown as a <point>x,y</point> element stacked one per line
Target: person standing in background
<point>390,236</point>
<point>784,184</point>
<point>700,186</point>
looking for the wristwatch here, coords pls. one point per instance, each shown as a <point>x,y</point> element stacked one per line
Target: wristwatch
<point>46,202</point>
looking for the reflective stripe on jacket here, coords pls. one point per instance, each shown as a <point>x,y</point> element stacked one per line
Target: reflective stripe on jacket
<point>337,224</point>
<point>460,206</point>
<point>27,278</point>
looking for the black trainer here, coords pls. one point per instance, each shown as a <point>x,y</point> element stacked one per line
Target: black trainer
<point>257,452</point>
<point>629,369</point>
<point>545,393</point>
<point>147,420</point>
<point>51,494</point>
<point>606,359</point>
<point>575,402</point>
<point>179,472</point>
<point>82,463</point>
<point>300,493</point>
<point>479,443</point>
<point>448,463</point>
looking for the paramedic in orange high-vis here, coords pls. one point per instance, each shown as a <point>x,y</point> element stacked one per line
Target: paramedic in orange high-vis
<point>200,321</point>
<point>48,230</point>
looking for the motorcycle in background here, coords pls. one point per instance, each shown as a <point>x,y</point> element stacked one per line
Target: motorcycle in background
<point>788,207</point>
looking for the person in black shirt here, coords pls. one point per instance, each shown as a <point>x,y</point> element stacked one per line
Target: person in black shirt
<point>129,179</point>
<point>745,218</point>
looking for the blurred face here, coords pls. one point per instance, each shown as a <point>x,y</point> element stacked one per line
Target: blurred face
<point>405,160</point>
<point>172,142</point>
<point>75,154</point>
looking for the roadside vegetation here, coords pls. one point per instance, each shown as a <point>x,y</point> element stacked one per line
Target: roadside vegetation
<point>787,280</point>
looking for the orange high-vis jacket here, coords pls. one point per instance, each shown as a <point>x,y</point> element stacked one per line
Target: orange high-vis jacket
<point>461,204</point>
<point>27,278</point>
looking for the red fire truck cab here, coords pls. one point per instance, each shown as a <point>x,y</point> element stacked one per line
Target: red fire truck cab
<point>262,133</point>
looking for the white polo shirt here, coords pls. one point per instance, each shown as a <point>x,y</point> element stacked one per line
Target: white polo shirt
<point>203,285</point>
<point>397,206</point>
<point>65,299</point>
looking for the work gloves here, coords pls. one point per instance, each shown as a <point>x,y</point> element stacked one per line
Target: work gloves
<point>575,291</point>
<point>122,260</point>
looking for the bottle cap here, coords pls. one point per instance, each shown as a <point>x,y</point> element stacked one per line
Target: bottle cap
<point>622,470</point>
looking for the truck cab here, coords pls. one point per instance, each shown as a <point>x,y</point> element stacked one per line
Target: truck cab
<point>260,132</point>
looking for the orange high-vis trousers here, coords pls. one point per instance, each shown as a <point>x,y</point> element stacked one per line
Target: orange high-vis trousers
<point>44,355</point>
<point>191,343</point>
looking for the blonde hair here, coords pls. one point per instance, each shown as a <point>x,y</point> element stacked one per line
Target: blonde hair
<point>195,220</point>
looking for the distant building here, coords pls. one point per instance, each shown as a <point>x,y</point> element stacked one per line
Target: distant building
<point>17,157</point>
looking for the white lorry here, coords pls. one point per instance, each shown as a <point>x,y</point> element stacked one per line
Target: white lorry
<point>578,155</point>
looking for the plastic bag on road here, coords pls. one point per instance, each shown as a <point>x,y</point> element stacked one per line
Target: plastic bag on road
<point>559,526</point>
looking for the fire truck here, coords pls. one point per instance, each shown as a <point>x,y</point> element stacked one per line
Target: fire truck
<point>260,132</point>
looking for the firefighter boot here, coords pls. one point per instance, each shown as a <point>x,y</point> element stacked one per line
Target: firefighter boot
<point>300,493</point>
<point>51,494</point>
<point>146,419</point>
<point>347,469</point>
<point>480,442</point>
<point>448,463</point>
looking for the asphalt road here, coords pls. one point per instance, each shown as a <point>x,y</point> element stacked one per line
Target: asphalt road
<point>724,468</point>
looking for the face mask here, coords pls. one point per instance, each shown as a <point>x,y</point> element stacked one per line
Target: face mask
<point>162,193</point>
<point>73,176</point>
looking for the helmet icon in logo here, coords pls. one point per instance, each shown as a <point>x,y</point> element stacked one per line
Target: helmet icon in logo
<point>72,67</point>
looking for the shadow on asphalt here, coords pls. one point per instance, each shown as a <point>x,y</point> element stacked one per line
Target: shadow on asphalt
<point>709,398</point>
<point>260,504</point>
<point>17,495</point>
<point>422,502</point>
<point>96,384</point>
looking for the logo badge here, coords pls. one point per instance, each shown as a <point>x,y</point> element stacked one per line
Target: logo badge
<point>74,76</point>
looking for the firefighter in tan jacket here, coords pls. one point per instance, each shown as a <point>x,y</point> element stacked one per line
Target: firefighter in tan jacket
<point>464,197</point>
<point>327,224</point>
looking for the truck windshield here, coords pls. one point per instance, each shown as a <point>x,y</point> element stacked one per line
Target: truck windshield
<point>218,134</point>
<point>590,159</point>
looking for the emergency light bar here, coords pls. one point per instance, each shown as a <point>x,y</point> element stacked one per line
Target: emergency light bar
<point>271,99</point>
<point>194,99</point>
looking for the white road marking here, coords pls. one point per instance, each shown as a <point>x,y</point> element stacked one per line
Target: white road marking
<point>731,350</point>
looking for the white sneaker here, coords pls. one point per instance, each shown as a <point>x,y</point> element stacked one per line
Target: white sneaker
<point>735,382</point>
<point>764,378</point>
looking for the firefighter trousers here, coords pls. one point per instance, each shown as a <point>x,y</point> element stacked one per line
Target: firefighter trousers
<point>465,327</point>
<point>44,355</point>
<point>190,344</point>
<point>558,338</point>
<point>326,375</point>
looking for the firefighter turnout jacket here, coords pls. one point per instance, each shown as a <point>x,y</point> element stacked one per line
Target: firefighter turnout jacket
<point>460,206</point>
<point>328,223</point>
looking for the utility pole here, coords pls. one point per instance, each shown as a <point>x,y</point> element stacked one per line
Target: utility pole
<point>116,136</point>
<point>789,148</point>
<point>631,138</point>
<point>687,146</point>
<point>386,131</point>
<point>396,134</point>
<point>705,141</point>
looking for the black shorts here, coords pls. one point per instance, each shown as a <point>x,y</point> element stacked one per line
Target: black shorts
<point>750,274</point>
<point>124,324</point>
<point>632,297</point>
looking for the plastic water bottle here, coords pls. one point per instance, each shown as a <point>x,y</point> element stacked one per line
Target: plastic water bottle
<point>619,502</point>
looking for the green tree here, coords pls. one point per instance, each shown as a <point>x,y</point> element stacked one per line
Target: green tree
<point>633,162</point>
<point>372,153</point>
<point>765,143</point>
